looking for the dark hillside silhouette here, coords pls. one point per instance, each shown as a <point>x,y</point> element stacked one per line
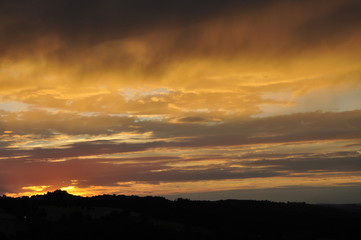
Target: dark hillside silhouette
<point>59,215</point>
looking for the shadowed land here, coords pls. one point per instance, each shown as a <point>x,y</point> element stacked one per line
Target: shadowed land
<point>59,215</point>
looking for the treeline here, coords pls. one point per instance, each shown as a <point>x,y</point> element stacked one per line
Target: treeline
<point>59,215</point>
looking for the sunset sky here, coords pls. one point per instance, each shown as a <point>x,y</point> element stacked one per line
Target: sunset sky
<point>206,99</point>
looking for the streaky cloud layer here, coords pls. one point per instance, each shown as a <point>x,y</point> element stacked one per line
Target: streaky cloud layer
<point>179,97</point>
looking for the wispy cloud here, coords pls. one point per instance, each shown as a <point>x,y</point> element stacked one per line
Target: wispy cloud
<point>105,95</point>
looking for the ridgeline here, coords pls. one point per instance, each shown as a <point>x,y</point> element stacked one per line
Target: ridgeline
<point>59,215</point>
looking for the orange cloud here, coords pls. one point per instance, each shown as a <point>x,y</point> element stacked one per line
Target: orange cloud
<point>84,87</point>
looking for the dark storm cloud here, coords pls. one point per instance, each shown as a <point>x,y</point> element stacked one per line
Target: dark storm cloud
<point>71,108</point>
<point>83,22</point>
<point>27,25</point>
<point>338,25</point>
<point>144,41</point>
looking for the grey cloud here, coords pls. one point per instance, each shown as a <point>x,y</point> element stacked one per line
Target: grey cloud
<point>352,145</point>
<point>47,124</point>
<point>209,174</point>
<point>288,128</point>
<point>337,162</point>
<point>192,119</point>
<point>94,172</point>
<point>35,170</point>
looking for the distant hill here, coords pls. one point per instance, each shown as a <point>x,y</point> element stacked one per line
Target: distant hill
<point>59,215</point>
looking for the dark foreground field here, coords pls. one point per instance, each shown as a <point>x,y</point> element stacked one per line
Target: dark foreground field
<point>59,215</point>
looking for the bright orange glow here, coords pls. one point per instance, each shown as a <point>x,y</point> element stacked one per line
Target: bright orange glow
<point>233,96</point>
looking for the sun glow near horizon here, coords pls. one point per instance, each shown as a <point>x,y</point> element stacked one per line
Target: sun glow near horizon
<point>192,97</point>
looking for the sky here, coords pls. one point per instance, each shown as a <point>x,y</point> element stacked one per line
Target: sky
<point>205,99</point>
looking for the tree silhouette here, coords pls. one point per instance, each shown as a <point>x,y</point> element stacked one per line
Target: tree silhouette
<point>134,217</point>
